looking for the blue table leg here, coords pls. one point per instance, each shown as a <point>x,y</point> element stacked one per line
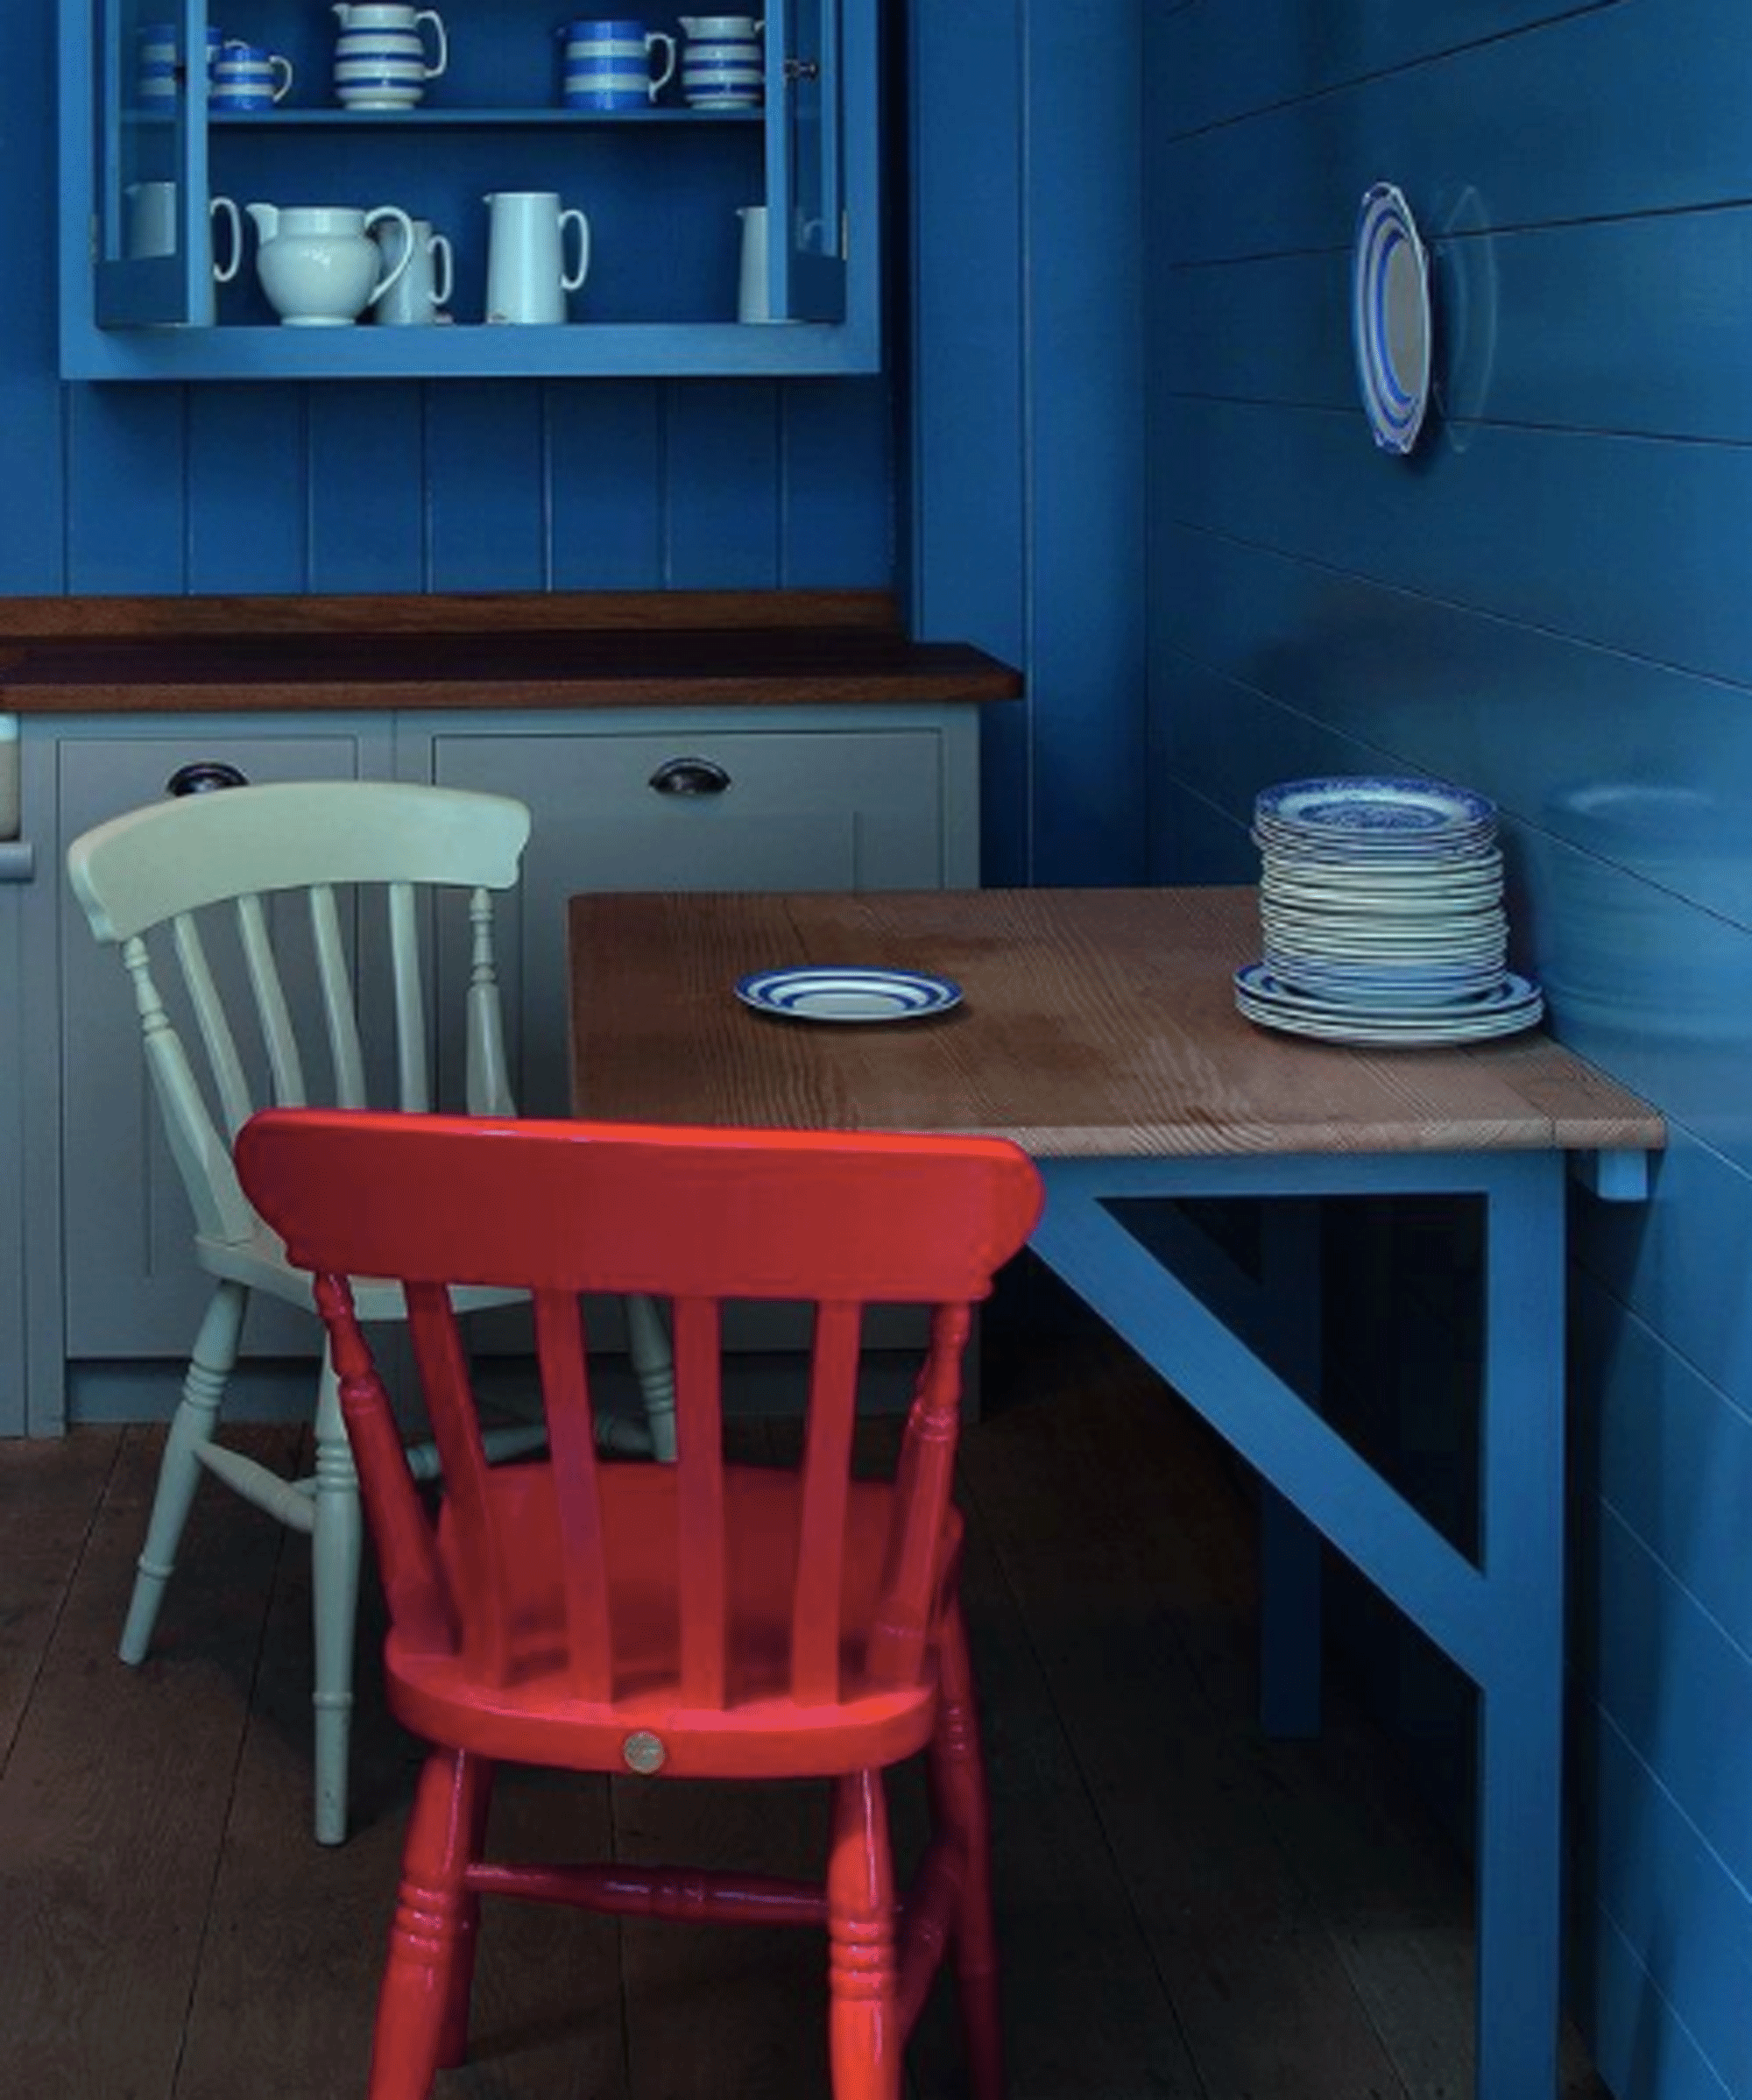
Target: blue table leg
<point>1521,1670</point>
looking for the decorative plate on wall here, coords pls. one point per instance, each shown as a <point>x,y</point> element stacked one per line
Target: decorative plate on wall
<point>1390,318</point>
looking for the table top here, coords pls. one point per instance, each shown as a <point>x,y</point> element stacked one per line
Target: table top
<point>1094,1024</point>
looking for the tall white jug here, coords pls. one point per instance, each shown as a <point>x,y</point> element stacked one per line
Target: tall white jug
<point>527,277</point>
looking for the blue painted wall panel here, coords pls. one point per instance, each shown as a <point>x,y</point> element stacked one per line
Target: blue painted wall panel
<point>1670,1456</point>
<point>1551,601</point>
<point>1634,107</point>
<point>607,446</point>
<point>723,490</point>
<point>248,466</point>
<point>1208,74</point>
<point>365,493</point>
<point>1684,1918</point>
<point>1025,410</point>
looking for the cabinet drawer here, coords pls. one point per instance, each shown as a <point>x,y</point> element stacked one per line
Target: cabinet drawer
<point>779,808</point>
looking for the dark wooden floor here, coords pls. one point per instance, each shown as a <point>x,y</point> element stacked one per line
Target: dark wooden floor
<point>1184,1908</point>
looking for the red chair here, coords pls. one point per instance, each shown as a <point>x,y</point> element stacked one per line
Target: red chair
<point>705,1620</point>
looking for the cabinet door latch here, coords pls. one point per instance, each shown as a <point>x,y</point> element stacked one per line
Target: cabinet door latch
<point>802,69</point>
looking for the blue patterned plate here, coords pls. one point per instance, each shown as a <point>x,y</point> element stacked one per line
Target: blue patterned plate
<point>1390,319</point>
<point>1357,809</point>
<point>830,992</point>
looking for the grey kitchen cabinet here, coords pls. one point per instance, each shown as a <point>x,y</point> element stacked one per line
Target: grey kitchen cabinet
<point>785,798</point>
<point>16,868</point>
<point>796,795</point>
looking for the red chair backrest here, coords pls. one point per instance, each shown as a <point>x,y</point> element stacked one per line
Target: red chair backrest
<point>699,1217</point>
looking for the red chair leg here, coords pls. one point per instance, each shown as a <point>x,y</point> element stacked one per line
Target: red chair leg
<point>957,1783</point>
<point>864,2036</point>
<point>423,1999</point>
<point>474,1798</point>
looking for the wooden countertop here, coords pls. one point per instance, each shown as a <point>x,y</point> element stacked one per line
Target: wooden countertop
<point>1095,1023</point>
<point>585,650</point>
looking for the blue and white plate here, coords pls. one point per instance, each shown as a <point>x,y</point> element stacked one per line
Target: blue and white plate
<point>824,992</point>
<point>1357,809</point>
<point>1390,318</point>
<point>1503,1007</point>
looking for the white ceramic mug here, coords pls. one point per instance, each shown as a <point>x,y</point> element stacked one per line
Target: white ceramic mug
<point>416,293</point>
<point>752,303</point>
<point>152,229</point>
<point>526,277</point>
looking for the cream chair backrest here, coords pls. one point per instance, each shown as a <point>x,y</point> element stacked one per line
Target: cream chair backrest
<point>233,851</point>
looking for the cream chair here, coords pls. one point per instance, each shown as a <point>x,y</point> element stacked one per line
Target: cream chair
<point>212,871</point>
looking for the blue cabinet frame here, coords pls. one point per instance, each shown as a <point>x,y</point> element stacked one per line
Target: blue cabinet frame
<point>661,185</point>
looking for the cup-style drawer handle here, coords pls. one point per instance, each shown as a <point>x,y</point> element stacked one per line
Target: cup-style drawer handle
<point>202,775</point>
<point>689,777</point>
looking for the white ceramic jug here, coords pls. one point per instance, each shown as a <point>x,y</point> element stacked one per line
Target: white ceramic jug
<point>527,277</point>
<point>318,264</point>
<point>414,297</point>
<point>380,56</point>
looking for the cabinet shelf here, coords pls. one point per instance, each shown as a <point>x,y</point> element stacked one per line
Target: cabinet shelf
<point>419,120</point>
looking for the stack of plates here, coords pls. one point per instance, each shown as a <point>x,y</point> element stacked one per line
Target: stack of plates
<point>1381,907</point>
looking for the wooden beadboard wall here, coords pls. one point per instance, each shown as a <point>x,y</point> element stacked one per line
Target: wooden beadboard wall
<point>1549,601</point>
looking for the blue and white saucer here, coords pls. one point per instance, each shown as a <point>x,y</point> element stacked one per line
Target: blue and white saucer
<point>825,991</point>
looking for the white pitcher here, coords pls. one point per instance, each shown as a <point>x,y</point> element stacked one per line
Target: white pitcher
<point>318,264</point>
<point>527,277</point>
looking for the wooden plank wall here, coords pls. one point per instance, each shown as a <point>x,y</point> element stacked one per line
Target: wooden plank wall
<point>1551,601</point>
<point>389,487</point>
<point>1026,471</point>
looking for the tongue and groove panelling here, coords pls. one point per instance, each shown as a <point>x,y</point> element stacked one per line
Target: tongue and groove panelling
<point>384,485</point>
<point>1552,600</point>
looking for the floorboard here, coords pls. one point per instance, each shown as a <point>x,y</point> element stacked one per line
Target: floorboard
<point>1185,1909</point>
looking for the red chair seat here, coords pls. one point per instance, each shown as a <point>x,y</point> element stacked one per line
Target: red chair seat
<point>533,1718</point>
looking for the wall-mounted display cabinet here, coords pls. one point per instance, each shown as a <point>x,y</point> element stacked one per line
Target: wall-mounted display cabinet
<point>152,165</point>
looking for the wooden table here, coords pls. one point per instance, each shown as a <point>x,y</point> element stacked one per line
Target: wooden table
<point>1098,1030</point>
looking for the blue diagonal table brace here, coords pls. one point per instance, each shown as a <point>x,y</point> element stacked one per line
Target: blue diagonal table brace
<point>1501,1620</point>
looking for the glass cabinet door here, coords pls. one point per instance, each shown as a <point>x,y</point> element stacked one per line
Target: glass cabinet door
<point>804,183</point>
<point>149,148</point>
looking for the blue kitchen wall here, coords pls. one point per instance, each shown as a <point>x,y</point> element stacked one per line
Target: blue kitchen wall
<point>1551,601</point>
<point>398,487</point>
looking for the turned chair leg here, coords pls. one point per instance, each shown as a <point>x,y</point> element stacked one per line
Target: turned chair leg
<point>958,1786</point>
<point>422,2005</point>
<point>864,2028</point>
<point>197,1414</point>
<point>647,1344</point>
<point>335,1541</point>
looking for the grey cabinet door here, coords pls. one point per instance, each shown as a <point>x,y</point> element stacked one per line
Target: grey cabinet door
<point>14,1366</point>
<point>703,807</point>
<point>132,1288</point>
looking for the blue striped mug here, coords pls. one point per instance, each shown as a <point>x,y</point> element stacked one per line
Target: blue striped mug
<point>612,64</point>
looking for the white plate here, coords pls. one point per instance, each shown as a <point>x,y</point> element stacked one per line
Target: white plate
<point>822,992</point>
<point>1390,318</point>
